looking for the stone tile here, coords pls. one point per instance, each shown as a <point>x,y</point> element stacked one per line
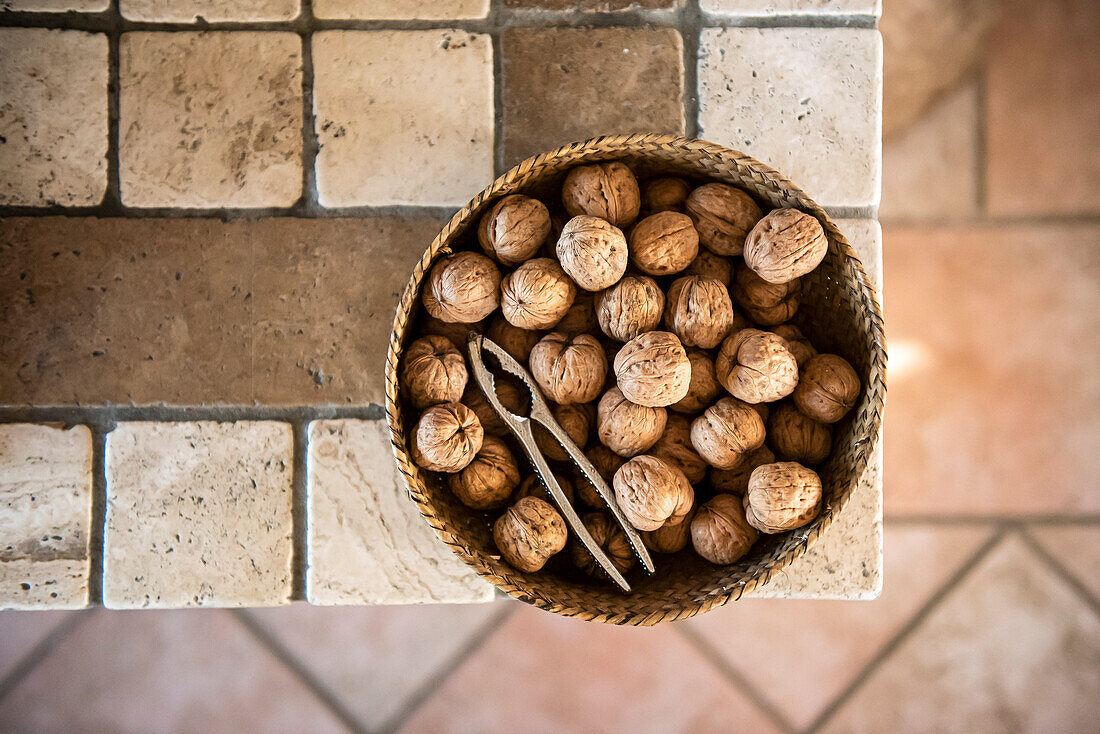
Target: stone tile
<point>198,514</point>
<point>994,322</point>
<point>806,101</point>
<point>53,117</point>
<point>21,631</point>
<point>833,641</point>
<point>210,119</point>
<point>596,6</point>
<point>1042,99</point>
<point>931,170</point>
<point>758,8</point>
<point>399,9</point>
<point>403,117</point>
<point>176,671</point>
<point>865,237</point>
<point>562,85</point>
<point>1077,547</point>
<point>187,11</point>
<point>368,544</point>
<point>1011,649</point>
<point>45,516</point>
<point>376,660</point>
<point>612,678</point>
<point>54,6</point>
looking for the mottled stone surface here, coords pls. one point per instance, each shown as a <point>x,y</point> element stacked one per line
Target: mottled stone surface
<point>210,119</point>
<point>403,117</point>
<point>757,8</point>
<point>45,516</point>
<point>865,237</point>
<point>400,9</point>
<point>53,117</point>
<point>806,101</point>
<point>595,6</point>
<point>186,11</point>
<point>55,6</point>
<point>368,544</point>
<point>198,514</point>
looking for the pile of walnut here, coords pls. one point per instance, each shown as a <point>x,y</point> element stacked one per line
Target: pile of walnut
<point>670,364</point>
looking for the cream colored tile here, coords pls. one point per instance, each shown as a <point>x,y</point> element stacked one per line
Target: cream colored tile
<point>186,11</point>
<point>766,8</point>
<point>55,6</point>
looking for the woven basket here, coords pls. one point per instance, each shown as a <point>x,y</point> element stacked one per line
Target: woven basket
<point>839,310</point>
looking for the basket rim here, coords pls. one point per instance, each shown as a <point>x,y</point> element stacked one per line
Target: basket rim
<point>608,146</point>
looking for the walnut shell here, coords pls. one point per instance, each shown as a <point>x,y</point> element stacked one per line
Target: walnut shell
<point>704,387</point>
<point>670,538</point>
<point>782,496</point>
<point>736,480</point>
<point>665,194</point>
<point>433,372</point>
<point>784,245</point>
<point>631,307</point>
<point>512,339</point>
<point>699,311</point>
<point>719,531</point>
<point>528,533</point>
<point>708,265</point>
<point>795,437</point>
<point>457,332</point>
<point>581,316</point>
<point>726,431</point>
<point>797,343</point>
<point>593,252</point>
<point>664,243</point>
<point>574,420</point>
<point>828,389</point>
<point>511,396</point>
<point>756,366</point>
<point>569,369</point>
<point>652,369</point>
<point>533,486</point>
<point>608,536</point>
<point>462,287</point>
<point>650,492</point>
<point>537,294</point>
<point>514,229</point>
<point>489,480</point>
<point>625,427</point>
<point>607,462</point>
<point>605,190</point>
<point>723,216</point>
<point>766,303</point>
<point>674,446</point>
<point>446,438</point>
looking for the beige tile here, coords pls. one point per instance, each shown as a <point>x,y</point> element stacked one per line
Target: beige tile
<point>865,237</point>
<point>186,11</point>
<point>1011,649</point>
<point>1077,547</point>
<point>765,8</point>
<point>403,117</point>
<point>53,118</point>
<point>594,6</point>
<point>56,6</point>
<point>210,119</point>
<point>21,631</point>
<point>401,9</point>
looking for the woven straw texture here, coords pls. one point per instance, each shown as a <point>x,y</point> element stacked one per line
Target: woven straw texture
<point>839,311</point>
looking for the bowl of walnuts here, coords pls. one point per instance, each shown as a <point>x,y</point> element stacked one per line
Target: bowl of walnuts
<point>699,328</point>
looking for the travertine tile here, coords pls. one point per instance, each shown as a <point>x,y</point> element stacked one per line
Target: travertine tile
<point>400,9</point>
<point>562,85</point>
<point>865,237</point>
<point>403,117</point>
<point>1077,547</point>
<point>210,119</point>
<point>806,101</point>
<point>368,544</point>
<point>595,6</point>
<point>53,117</point>
<point>186,11</point>
<point>54,6</point>
<point>756,8</point>
<point>198,514</point>
<point>45,516</point>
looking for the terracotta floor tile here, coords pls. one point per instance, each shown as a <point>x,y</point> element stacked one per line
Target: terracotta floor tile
<point>834,640</point>
<point>21,631</point>
<point>545,673</point>
<point>1077,547</point>
<point>1011,649</point>
<point>994,387</point>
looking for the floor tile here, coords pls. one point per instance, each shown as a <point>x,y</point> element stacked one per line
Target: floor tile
<point>210,119</point>
<point>562,85</point>
<point>187,11</point>
<point>755,8</point>
<point>21,631</point>
<point>400,9</point>
<point>1077,547</point>
<point>179,671</point>
<point>403,117</point>
<point>989,396</point>
<point>56,6</point>
<point>600,6</point>
<point>833,641</point>
<point>375,659</point>
<point>865,237</point>
<point>1011,649</point>
<point>54,118</point>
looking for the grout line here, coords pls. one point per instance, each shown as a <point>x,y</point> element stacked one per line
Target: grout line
<point>108,415</point>
<point>112,197</point>
<point>1066,518</point>
<point>1055,564</point>
<point>497,38</point>
<point>97,531</point>
<point>299,541</point>
<point>311,147</point>
<point>690,31</point>
<point>42,650</point>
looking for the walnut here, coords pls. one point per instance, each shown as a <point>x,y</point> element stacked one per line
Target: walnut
<point>626,428</point>
<point>719,532</point>
<point>608,536</point>
<point>593,252</point>
<point>576,423</point>
<point>665,194</point>
<point>537,294</point>
<point>533,486</point>
<point>782,496</point>
<point>664,243</point>
<point>736,480</point>
<point>766,303</point>
<point>605,190</point>
<point>828,389</point>
<point>630,307</point>
<point>607,462</point>
<point>458,333</point>
<point>446,438</point>
<point>756,366</point>
<point>726,431</point>
<point>528,533</point>
<point>708,265</point>
<point>651,493</point>
<point>514,229</point>
<point>723,215</point>
<point>797,343</point>
<point>463,287</point>
<point>569,369</point>
<point>433,372</point>
<point>704,387</point>
<point>512,339</point>
<point>652,369</point>
<point>670,538</point>
<point>510,395</point>
<point>795,437</point>
<point>699,311</point>
<point>784,245</point>
<point>674,446</point>
<point>581,316</point>
<point>489,480</point>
